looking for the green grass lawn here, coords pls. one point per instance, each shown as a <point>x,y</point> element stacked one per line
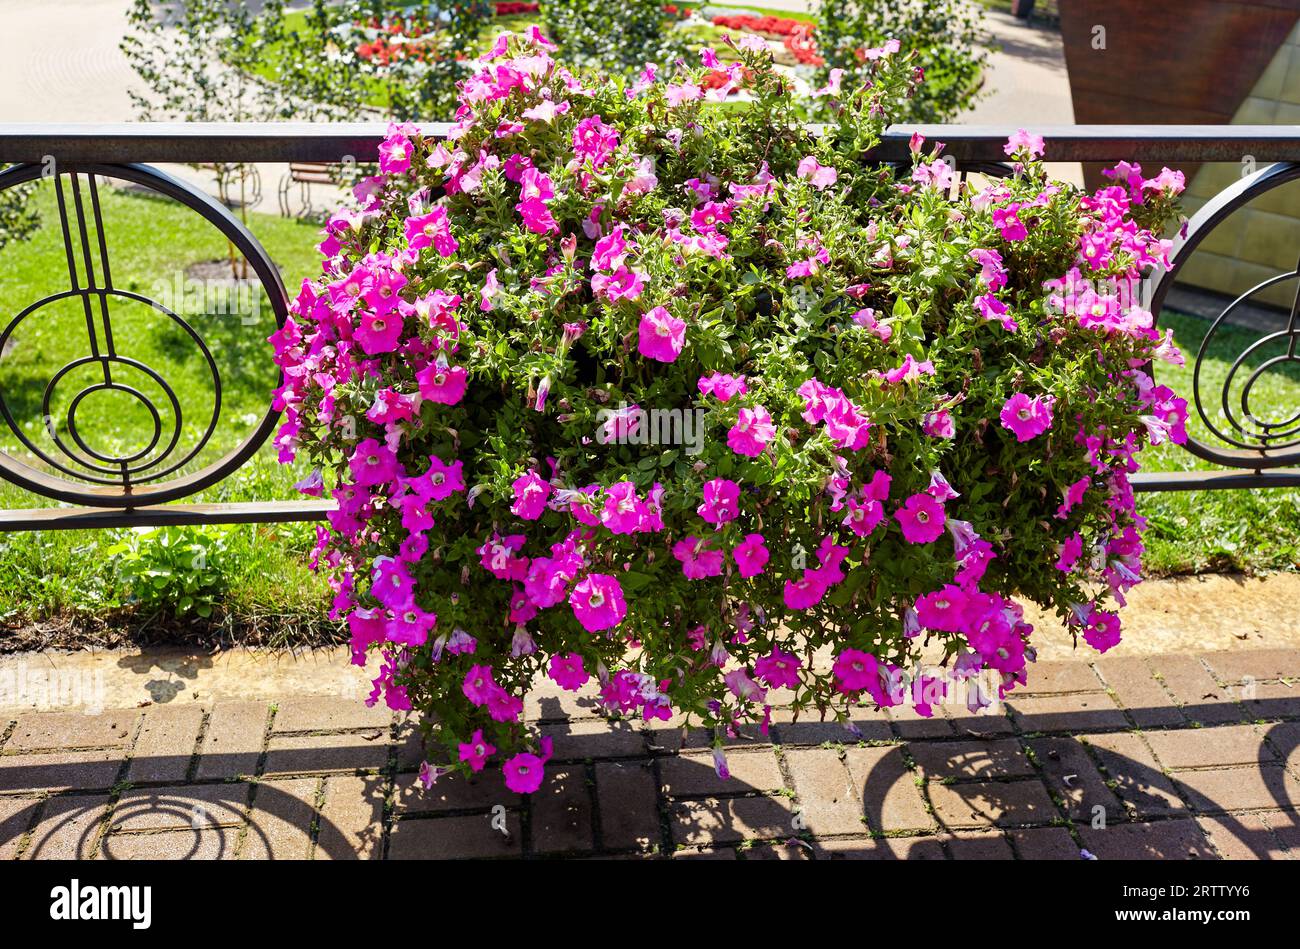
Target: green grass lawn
<point>1199,531</point>
<point>66,581</point>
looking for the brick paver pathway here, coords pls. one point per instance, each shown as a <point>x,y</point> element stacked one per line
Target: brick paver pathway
<point>1164,757</point>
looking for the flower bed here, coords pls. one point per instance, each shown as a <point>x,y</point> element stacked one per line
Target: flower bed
<point>680,400</point>
<point>796,35</point>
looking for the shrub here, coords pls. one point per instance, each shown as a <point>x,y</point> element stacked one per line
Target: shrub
<point>945,34</point>
<point>589,35</point>
<point>886,426</point>
<point>177,569</point>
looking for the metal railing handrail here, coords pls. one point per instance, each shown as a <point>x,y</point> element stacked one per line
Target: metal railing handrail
<point>191,142</point>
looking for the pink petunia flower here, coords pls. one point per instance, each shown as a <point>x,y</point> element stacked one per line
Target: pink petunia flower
<point>661,335</point>
<point>531,494</point>
<point>751,555</point>
<point>1027,418</point>
<point>568,672</point>
<point>597,601</point>
<point>524,773</point>
<point>752,432</point>
<point>477,750</point>
<point>921,517</point>
<point>721,501</point>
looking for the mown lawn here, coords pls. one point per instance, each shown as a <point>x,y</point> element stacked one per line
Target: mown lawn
<point>65,585</point>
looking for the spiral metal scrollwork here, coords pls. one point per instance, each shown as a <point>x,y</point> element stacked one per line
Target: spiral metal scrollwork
<point>75,470</point>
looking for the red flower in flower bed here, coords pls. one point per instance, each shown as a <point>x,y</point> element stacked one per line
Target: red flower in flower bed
<point>514,7</point>
<point>797,35</point>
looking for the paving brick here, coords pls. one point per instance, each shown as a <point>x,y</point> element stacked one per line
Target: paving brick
<point>909,723</point>
<point>69,731</point>
<point>15,816</point>
<point>1139,692</point>
<point>1075,712</point>
<point>888,848</point>
<point>233,740</point>
<point>1258,664</point>
<point>828,802</point>
<point>1285,741</point>
<point>310,753</point>
<point>891,799</point>
<point>455,792</point>
<point>694,774</point>
<point>986,845</point>
<point>1001,804</point>
<point>194,806</point>
<point>1202,699</point>
<point>409,744</point>
<point>810,730</point>
<point>1208,747</point>
<point>351,820</point>
<point>731,820</point>
<point>747,736</point>
<point>1046,677</point>
<point>1244,836</point>
<point>547,702</point>
<point>279,826</point>
<point>628,803</point>
<point>452,838</point>
<point>1074,780</point>
<point>1271,700</point>
<point>1138,779</point>
<point>992,720</point>
<point>560,816</point>
<point>165,744</point>
<point>705,853</point>
<point>1223,789</point>
<point>212,844</point>
<point>1044,843</point>
<point>1157,840</point>
<point>595,738</point>
<point>329,713</point>
<point>68,829</point>
<point>999,758</point>
<point>792,849</point>
<point>71,770</point>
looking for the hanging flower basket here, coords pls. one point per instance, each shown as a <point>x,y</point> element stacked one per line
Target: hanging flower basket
<point>615,385</point>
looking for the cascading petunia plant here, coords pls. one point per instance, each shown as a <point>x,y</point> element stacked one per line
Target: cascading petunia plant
<point>704,405</point>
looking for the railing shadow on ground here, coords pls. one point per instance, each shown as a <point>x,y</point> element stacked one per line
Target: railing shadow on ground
<point>280,815</point>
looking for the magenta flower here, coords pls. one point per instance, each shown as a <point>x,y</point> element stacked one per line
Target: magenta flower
<point>721,501</point>
<point>431,230</point>
<point>752,432</point>
<point>373,462</point>
<point>722,386</point>
<point>943,610</point>
<point>939,424</point>
<point>567,672</point>
<point>779,670</point>
<point>805,592</point>
<point>863,516</point>
<point>698,560</point>
<point>410,626</point>
<point>594,141</point>
<point>820,176</point>
<point>597,602</point>
<point>395,152</point>
<point>1021,140</point>
<point>751,555</point>
<point>1071,550</point>
<point>379,332</point>
<point>524,773</point>
<point>479,685</point>
<point>921,518</point>
<point>531,494</point>
<point>1026,417</point>
<point>855,670</point>
<point>661,335</point>
<point>624,511</point>
<point>476,751</point>
<point>441,383</point>
<point>1102,631</point>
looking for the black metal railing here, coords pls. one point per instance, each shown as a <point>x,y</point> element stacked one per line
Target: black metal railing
<point>130,486</point>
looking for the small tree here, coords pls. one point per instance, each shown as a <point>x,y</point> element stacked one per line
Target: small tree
<point>17,217</point>
<point>590,35</point>
<point>946,36</point>
<point>196,61</point>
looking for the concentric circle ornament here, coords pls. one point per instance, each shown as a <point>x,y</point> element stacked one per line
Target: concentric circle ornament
<point>157,470</point>
<point>1248,434</point>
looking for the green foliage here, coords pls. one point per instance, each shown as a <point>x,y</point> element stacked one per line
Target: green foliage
<point>615,39</point>
<point>945,34</point>
<point>179,569</point>
<point>17,216</point>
